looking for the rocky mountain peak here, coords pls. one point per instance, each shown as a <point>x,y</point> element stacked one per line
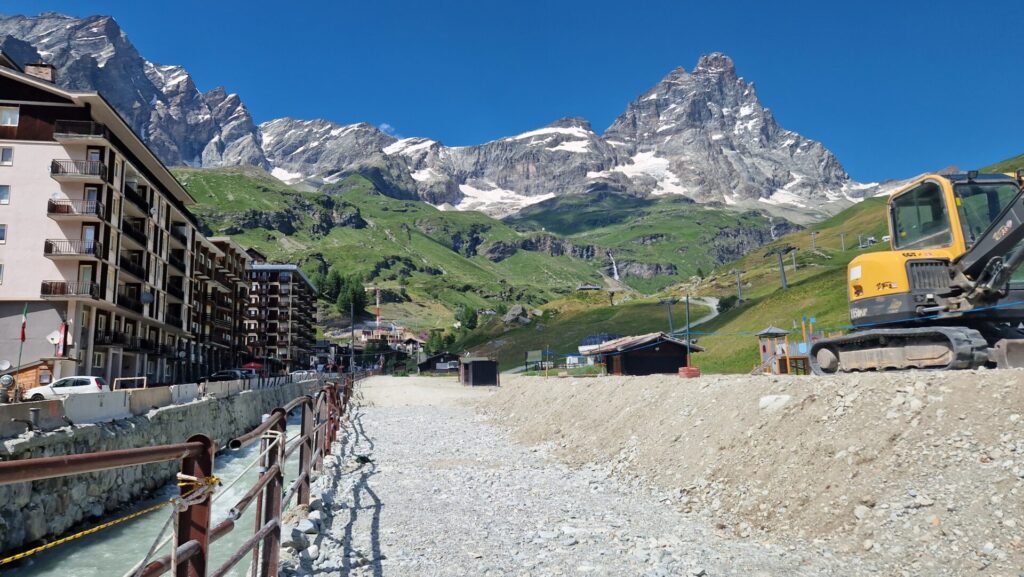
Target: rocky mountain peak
<point>572,122</point>
<point>715,63</point>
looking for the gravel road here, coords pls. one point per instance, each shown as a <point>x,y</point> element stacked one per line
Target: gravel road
<point>444,492</point>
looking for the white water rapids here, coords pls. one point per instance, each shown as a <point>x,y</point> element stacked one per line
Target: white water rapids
<point>114,551</point>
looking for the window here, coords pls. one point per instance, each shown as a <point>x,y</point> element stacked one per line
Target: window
<point>5,194</point>
<point>6,156</point>
<point>98,360</point>
<point>9,115</point>
<point>3,233</point>
<point>979,204</point>
<point>920,219</point>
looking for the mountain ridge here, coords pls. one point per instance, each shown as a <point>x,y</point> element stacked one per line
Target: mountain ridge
<point>703,134</point>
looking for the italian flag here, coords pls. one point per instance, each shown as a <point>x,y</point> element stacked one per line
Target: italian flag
<point>24,322</point>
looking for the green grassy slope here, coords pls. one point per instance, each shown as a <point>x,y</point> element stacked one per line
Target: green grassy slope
<point>400,242</point>
<point>817,287</point>
<point>566,322</point>
<point>1008,165</point>
<point>669,230</point>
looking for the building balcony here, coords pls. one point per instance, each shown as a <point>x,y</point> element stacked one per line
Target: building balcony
<point>63,249</point>
<point>82,210</point>
<point>67,170</point>
<point>176,292</point>
<point>134,268</point>
<point>61,289</point>
<point>134,231</point>
<point>136,198</point>
<point>176,262</point>
<point>179,235</point>
<point>217,321</point>
<point>173,320</point>
<point>129,302</point>
<point>78,131</point>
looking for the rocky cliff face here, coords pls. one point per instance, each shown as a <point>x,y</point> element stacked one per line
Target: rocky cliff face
<point>702,134</point>
<point>161,103</point>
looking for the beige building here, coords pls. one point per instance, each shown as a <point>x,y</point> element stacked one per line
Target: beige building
<point>97,238</point>
<point>282,308</point>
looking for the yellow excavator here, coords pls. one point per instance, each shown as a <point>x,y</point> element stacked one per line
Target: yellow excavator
<point>946,295</point>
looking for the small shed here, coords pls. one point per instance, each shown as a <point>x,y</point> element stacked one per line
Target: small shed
<point>478,371</point>
<point>439,364</point>
<point>650,354</point>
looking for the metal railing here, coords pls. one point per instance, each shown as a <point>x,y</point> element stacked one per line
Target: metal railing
<point>134,231</point>
<point>176,291</point>
<point>322,415</point>
<point>129,302</point>
<point>176,261</point>
<point>179,234</point>
<point>64,247</point>
<point>135,197</point>
<point>68,167</point>
<point>136,268</point>
<point>74,208</point>
<point>63,288</point>
<point>79,129</point>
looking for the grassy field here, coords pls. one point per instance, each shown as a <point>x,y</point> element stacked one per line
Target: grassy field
<point>565,323</point>
<point>816,289</point>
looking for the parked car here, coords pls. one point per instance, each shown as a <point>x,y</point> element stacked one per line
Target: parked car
<point>225,375</point>
<point>249,373</point>
<point>67,386</point>
<point>304,374</point>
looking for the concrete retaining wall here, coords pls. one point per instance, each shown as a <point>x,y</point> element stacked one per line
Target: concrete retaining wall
<point>30,512</point>
<point>96,407</point>
<point>51,416</point>
<point>184,393</point>
<point>141,401</point>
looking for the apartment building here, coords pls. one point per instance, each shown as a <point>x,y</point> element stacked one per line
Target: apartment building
<point>282,309</point>
<point>97,240</point>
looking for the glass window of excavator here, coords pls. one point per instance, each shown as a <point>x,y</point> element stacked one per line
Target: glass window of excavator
<point>920,219</point>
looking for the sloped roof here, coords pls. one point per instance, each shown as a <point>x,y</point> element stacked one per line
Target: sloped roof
<point>772,331</point>
<point>625,344</point>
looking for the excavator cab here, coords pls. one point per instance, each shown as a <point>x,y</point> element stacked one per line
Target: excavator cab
<point>944,295</point>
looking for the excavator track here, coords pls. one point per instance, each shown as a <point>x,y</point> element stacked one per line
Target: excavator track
<point>931,348</point>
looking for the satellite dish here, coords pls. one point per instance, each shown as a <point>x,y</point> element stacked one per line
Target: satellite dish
<point>4,365</point>
<point>152,211</point>
<point>147,298</point>
<point>53,338</point>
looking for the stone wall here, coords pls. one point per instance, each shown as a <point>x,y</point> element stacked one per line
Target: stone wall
<point>30,512</point>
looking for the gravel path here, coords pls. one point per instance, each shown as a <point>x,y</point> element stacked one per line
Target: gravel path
<point>447,493</point>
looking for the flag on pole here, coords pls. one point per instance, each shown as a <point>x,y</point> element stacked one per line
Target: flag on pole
<point>24,322</point>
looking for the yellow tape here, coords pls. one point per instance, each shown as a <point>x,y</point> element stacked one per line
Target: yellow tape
<point>206,481</point>
<point>89,531</point>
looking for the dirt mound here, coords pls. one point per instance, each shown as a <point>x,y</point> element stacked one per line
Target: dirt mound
<point>917,472</point>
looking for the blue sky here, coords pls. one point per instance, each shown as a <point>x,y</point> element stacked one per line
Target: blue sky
<point>893,88</point>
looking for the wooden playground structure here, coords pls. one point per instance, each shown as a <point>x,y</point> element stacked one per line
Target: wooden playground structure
<point>785,353</point>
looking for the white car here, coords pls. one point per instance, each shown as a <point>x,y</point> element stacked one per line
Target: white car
<point>67,386</point>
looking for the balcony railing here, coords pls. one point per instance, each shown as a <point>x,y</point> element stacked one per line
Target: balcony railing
<point>61,288</point>
<point>129,302</point>
<point>63,247</point>
<point>135,231</point>
<point>136,198</point>
<point>217,320</point>
<point>79,129</point>
<point>134,268</point>
<point>74,208</point>
<point>176,291</point>
<point>173,320</point>
<point>176,261</point>
<point>85,168</point>
<point>179,234</point>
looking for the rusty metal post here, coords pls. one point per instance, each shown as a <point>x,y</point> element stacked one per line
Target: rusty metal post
<point>306,450</point>
<point>254,568</point>
<point>272,499</point>
<point>194,522</point>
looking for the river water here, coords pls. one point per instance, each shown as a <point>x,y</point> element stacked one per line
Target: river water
<point>114,551</point>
